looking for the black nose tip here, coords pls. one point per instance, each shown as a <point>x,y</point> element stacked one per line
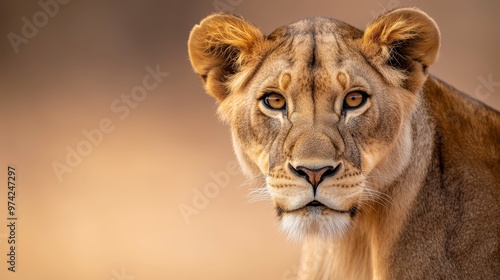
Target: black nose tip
<point>314,176</point>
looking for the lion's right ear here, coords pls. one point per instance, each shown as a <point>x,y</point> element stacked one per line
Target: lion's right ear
<point>219,47</point>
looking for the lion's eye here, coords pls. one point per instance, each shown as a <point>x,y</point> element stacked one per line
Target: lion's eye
<point>354,100</point>
<point>274,101</point>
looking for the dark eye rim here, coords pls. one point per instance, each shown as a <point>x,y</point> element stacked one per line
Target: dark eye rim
<point>365,96</point>
<point>266,103</point>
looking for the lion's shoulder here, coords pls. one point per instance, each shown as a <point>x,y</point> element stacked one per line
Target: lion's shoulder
<point>467,130</point>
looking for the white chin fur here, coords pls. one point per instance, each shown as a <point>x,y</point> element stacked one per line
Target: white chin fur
<point>299,227</point>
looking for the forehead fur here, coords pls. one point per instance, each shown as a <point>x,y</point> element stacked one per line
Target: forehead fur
<point>307,34</point>
<point>308,42</point>
<point>317,25</point>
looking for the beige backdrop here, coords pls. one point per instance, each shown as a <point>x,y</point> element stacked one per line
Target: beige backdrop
<point>101,178</point>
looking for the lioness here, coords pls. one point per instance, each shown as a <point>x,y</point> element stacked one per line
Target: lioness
<point>384,171</point>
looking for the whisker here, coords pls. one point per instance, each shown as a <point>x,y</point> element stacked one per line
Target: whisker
<point>363,206</point>
<point>258,194</point>
<point>257,180</point>
<point>373,195</point>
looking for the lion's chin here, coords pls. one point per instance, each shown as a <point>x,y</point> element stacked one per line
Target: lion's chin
<point>316,222</point>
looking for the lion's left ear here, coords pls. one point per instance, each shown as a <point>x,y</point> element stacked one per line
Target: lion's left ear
<point>404,39</point>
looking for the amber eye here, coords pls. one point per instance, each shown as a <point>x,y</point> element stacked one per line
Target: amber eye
<point>354,100</point>
<point>274,101</point>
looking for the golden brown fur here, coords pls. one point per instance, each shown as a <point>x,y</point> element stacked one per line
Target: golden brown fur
<point>404,184</point>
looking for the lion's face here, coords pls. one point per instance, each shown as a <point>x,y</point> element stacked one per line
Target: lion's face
<point>318,108</point>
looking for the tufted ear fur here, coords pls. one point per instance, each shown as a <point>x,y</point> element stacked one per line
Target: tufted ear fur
<point>220,46</point>
<point>401,44</point>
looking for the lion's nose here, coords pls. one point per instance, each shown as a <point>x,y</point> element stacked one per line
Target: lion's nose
<point>316,175</point>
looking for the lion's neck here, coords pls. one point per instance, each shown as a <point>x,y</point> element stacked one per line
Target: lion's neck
<point>364,253</point>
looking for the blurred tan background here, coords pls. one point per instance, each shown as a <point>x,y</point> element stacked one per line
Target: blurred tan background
<point>114,212</point>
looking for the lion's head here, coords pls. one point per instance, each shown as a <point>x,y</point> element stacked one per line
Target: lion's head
<point>318,107</point>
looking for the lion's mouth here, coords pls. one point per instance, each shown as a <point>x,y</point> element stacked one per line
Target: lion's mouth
<point>315,203</point>
<point>352,211</point>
